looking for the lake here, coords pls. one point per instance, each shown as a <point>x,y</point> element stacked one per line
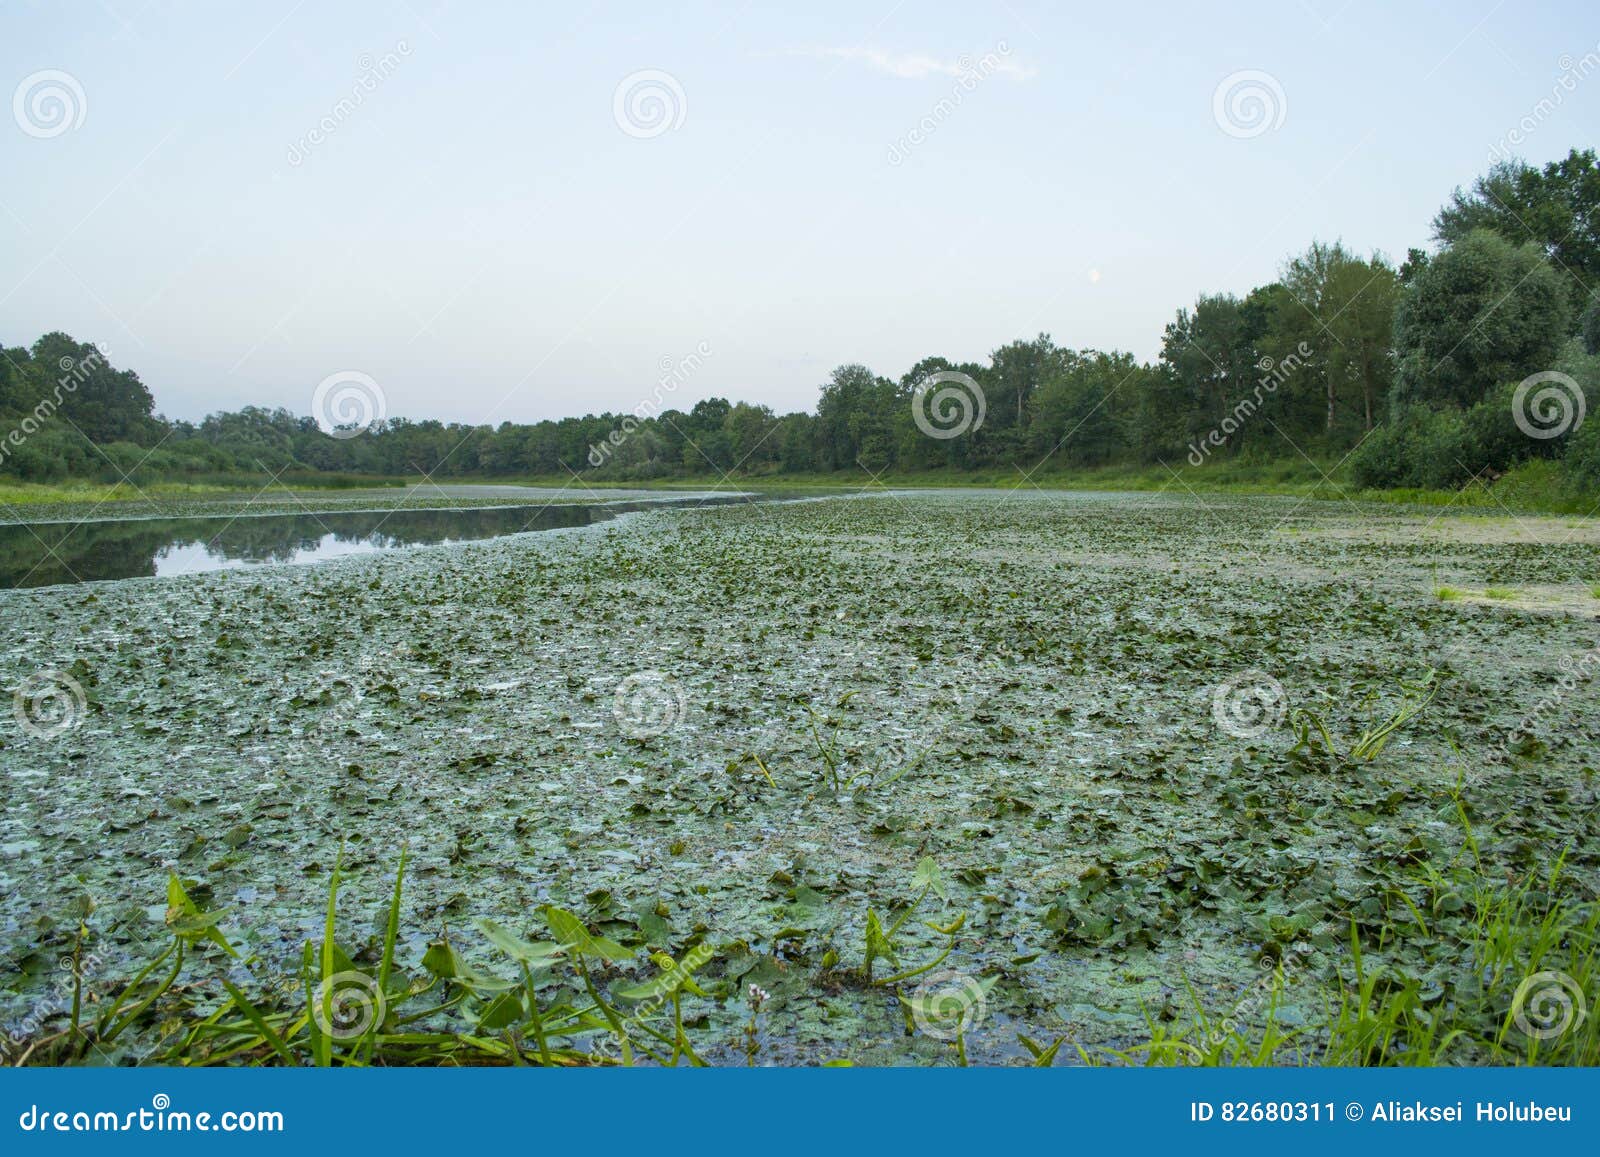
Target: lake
<point>49,553</point>
<point>760,729</point>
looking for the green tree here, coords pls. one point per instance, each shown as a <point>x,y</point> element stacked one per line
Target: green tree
<point>1339,307</point>
<point>1481,312</point>
<point>1556,207</point>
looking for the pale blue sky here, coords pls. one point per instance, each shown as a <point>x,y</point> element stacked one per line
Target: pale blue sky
<point>482,238</point>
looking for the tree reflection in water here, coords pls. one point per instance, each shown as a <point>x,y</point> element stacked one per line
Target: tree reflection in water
<point>42,554</point>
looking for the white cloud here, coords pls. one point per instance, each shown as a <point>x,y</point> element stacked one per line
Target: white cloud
<point>916,66</point>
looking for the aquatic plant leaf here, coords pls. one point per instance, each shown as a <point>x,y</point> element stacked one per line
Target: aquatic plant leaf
<point>878,944</point>
<point>535,954</point>
<point>928,875</point>
<point>577,938</point>
<point>503,1011</point>
<point>188,922</point>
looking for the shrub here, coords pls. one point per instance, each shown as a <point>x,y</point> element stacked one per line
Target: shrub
<point>1422,448</point>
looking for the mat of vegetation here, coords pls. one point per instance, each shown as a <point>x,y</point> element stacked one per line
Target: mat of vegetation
<point>907,778</point>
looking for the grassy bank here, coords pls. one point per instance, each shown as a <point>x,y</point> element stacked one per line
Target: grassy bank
<point>1534,487</point>
<point>15,493</point>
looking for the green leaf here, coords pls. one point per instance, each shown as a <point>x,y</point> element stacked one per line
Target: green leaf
<point>442,960</point>
<point>674,976</point>
<point>535,954</point>
<point>253,1015</point>
<point>1043,1056</point>
<point>505,1010</point>
<point>928,875</point>
<point>577,939</point>
<point>445,962</point>
<point>188,922</point>
<point>877,943</point>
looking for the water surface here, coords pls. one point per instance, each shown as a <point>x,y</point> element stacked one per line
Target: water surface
<point>47,553</point>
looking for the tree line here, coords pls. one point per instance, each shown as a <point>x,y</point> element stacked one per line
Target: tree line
<point>1462,362</point>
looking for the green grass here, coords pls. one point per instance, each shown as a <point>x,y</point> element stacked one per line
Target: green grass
<point>342,1013</point>
<point>1499,593</point>
<point>39,493</point>
<point>1510,964</point>
<point>14,493</point>
<point>1447,594</point>
<point>1535,487</point>
<point>1503,965</point>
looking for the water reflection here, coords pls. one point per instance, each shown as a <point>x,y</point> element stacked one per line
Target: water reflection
<point>41,554</point>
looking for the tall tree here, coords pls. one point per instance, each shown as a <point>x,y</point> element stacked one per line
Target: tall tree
<point>1556,207</point>
<point>1481,312</point>
<point>1340,308</point>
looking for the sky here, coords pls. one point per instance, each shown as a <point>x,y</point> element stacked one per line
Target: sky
<point>509,212</point>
